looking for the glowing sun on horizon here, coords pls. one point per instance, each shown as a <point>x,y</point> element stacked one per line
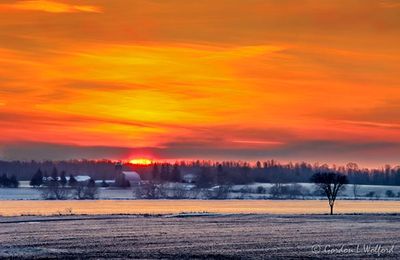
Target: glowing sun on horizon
<point>141,161</point>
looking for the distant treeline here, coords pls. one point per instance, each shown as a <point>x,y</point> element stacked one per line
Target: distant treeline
<point>228,172</point>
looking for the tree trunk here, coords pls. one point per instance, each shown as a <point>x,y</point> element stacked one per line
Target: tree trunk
<point>331,209</point>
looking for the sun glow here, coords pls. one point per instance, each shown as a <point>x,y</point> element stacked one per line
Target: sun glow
<point>141,161</point>
<point>212,80</point>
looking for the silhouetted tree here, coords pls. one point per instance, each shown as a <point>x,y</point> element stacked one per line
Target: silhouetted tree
<point>155,173</point>
<point>53,190</point>
<point>205,179</point>
<point>91,183</point>
<point>261,190</point>
<point>37,179</point>
<point>9,182</point>
<point>246,175</point>
<point>165,172</point>
<point>149,190</point>
<point>72,181</point>
<point>370,194</point>
<point>118,169</point>
<point>331,184</point>
<point>175,174</point>
<point>220,192</point>
<point>54,174</point>
<point>277,190</point>
<point>220,174</point>
<point>4,181</point>
<point>14,183</point>
<point>258,165</point>
<point>79,191</point>
<point>90,190</point>
<point>63,179</point>
<point>295,190</point>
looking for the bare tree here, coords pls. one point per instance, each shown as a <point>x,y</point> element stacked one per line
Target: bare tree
<point>150,190</point>
<point>91,192</point>
<point>220,192</point>
<point>331,184</point>
<point>178,192</point>
<point>276,190</point>
<point>195,193</point>
<point>86,191</point>
<point>79,191</point>
<point>295,190</point>
<point>55,191</point>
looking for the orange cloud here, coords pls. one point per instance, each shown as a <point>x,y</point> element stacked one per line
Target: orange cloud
<point>49,6</point>
<point>254,77</point>
<point>390,4</point>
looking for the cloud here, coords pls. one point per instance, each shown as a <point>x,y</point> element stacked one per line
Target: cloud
<point>390,4</point>
<point>371,124</point>
<point>50,7</point>
<point>258,78</point>
<point>257,142</point>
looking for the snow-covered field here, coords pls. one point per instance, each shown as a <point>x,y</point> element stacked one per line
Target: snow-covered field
<point>25,192</point>
<point>134,207</point>
<point>34,194</point>
<point>362,191</point>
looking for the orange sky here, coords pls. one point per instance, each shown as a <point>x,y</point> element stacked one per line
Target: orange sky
<point>227,79</point>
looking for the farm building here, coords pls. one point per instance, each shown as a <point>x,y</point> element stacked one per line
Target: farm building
<point>78,178</point>
<point>132,176</point>
<point>189,177</point>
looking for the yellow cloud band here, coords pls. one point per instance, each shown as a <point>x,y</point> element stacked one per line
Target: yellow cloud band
<point>50,6</point>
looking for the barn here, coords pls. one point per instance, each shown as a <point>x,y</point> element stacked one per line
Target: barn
<point>132,176</point>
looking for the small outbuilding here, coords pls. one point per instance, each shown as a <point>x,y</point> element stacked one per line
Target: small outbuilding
<point>81,178</point>
<point>189,177</point>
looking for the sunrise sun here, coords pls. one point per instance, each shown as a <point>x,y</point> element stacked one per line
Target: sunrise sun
<point>141,161</point>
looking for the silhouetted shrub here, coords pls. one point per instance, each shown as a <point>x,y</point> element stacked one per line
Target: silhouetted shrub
<point>261,190</point>
<point>54,191</point>
<point>389,194</point>
<point>370,194</point>
<point>11,182</point>
<point>104,184</point>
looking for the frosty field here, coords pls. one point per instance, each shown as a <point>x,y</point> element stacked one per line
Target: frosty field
<point>25,192</point>
<point>96,207</point>
<point>201,237</point>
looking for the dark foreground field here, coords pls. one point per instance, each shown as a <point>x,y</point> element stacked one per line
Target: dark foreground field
<point>211,237</point>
